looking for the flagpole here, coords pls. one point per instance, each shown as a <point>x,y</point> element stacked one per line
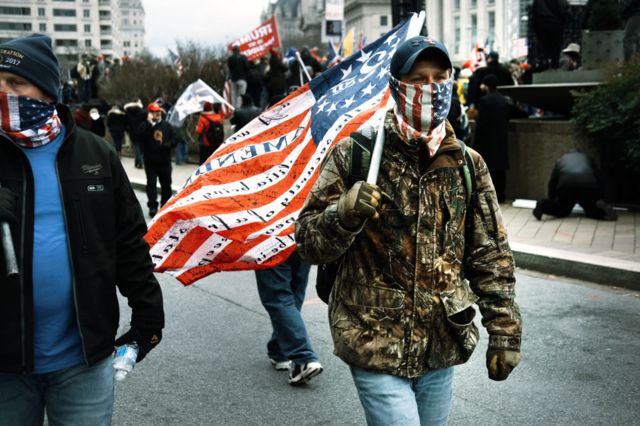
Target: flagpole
<point>376,155</point>
<point>302,67</point>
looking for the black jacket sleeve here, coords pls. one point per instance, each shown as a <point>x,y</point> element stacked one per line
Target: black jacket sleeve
<point>135,278</point>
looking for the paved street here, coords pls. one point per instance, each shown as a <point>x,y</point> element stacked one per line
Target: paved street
<point>580,362</point>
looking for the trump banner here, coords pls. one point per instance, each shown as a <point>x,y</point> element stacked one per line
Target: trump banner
<point>258,42</point>
<point>237,210</point>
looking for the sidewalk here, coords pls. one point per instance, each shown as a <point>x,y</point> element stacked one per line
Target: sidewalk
<point>576,247</point>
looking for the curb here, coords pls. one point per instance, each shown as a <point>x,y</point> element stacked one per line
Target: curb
<point>587,267</point>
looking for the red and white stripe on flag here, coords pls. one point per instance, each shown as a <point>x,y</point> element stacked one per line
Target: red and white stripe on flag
<point>237,211</point>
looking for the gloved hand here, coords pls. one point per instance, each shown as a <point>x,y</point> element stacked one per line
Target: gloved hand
<point>146,340</point>
<point>500,363</point>
<point>357,204</point>
<point>8,206</point>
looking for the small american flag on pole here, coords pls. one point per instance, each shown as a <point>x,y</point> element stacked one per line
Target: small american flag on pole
<point>177,62</point>
<point>237,211</point>
<point>226,94</point>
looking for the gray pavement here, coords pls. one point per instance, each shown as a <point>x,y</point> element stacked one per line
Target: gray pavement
<point>577,247</point>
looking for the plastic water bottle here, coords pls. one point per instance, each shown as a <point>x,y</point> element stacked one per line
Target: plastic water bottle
<point>125,360</point>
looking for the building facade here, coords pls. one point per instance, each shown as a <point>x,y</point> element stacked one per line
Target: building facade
<point>77,27</point>
<point>370,18</point>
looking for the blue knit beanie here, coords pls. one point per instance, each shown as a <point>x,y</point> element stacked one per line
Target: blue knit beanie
<point>32,57</point>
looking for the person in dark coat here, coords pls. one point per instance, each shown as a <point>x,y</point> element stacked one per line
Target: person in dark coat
<point>135,115</point>
<point>243,115</point>
<point>238,65</point>
<point>117,125</point>
<point>494,67</point>
<point>549,17</point>
<point>277,75</point>
<point>457,116</point>
<point>575,179</point>
<point>157,137</point>
<point>491,137</point>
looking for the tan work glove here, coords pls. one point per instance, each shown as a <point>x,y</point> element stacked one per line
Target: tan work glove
<point>500,363</point>
<point>357,204</point>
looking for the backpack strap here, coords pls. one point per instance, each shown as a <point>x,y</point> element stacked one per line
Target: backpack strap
<point>468,173</point>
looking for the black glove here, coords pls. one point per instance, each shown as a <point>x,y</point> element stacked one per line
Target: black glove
<point>8,206</point>
<point>357,204</point>
<point>146,340</point>
<point>500,363</point>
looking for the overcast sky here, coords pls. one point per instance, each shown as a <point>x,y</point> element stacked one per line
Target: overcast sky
<point>208,22</point>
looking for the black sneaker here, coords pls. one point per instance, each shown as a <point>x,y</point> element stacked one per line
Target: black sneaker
<point>302,373</point>
<point>537,212</point>
<point>609,213</point>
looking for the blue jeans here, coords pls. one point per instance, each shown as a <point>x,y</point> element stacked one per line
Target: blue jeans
<point>391,400</point>
<point>281,291</point>
<point>181,152</point>
<point>137,149</point>
<point>78,395</point>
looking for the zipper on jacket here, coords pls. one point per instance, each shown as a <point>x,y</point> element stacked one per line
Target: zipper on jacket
<point>73,274</point>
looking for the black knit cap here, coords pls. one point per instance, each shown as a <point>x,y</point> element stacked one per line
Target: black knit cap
<point>32,57</point>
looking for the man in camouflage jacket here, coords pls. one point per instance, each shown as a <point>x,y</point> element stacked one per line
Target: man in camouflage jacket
<point>402,301</point>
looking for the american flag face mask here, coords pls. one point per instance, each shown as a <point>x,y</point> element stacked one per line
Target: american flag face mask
<point>421,110</point>
<point>27,121</point>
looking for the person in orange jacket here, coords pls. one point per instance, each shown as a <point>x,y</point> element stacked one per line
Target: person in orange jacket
<point>210,129</point>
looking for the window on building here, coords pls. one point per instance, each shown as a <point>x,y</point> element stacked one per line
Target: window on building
<point>23,11</point>
<point>15,26</point>
<point>68,1</point>
<point>87,43</point>
<point>65,27</point>
<point>492,25</point>
<point>474,3</point>
<point>456,5</point>
<point>64,12</point>
<point>105,14</point>
<point>384,20</point>
<point>86,13</point>
<point>474,28</point>
<point>66,43</point>
<point>105,43</point>
<point>43,28</point>
<point>87,28</point>
<point>491,2</point>
<point>41,11</point>
<point>135,22</point>
<point>136,44</point>
<point>457,35</point>
<point>125,21</point>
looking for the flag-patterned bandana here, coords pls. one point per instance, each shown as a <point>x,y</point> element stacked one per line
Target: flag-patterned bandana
<point>421,110</point>
<point>27,121</point>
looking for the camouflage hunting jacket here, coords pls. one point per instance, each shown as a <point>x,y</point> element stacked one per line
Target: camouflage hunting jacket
<point>401,303</point>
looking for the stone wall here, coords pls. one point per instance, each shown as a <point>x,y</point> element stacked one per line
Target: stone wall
<point>534,147</point>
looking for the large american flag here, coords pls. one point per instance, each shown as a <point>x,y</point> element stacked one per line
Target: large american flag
<point>237,210</point>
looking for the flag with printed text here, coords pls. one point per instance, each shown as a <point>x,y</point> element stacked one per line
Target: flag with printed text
<point>237,210</point>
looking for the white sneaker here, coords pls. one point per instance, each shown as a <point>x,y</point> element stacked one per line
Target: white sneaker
<point>302,373</point>
<point>280,365</point>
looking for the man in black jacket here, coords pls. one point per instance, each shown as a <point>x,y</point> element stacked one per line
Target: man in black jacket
<point>548,19</point>
<point>494,67</point>
<point>238,65</point>
<point>575,179</point>
<point>77,230</point>
<point>491,137</point>
<point>157,137</point>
